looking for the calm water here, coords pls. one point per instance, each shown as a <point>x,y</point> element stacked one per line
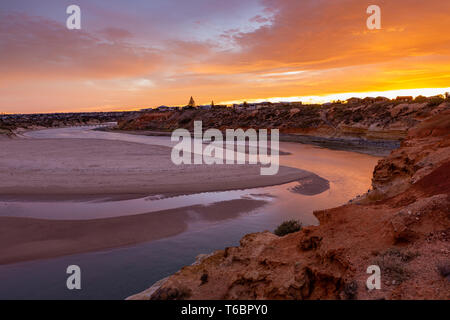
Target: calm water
<point>118,273</point>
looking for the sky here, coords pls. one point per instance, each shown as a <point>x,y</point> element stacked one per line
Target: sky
<point>137,54</point>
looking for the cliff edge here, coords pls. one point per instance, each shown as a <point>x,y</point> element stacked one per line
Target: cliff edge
<point>402,225</point>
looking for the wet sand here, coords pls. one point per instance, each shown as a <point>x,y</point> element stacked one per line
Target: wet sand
<point>55,167</point>
<point>311,185</point>
<point>23,239</point>
<point>83,169</point>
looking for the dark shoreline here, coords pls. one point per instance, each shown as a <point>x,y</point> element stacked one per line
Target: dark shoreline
<point>378,148</point>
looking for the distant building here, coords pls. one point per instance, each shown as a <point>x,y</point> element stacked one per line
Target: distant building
<point>264,105</point>
<point>219,106</point>
<point>404,98</point>
<point>284,103</point>
<point>250,106</point>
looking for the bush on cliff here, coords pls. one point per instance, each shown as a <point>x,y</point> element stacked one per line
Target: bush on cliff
<point>287,227</point>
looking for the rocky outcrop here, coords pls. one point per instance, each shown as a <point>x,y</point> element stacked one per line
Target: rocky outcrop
<point>402,225</point>
<point>386,120</point>
<point>424,151</point>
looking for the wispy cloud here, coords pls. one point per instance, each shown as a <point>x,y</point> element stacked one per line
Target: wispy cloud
<point>162,52</point>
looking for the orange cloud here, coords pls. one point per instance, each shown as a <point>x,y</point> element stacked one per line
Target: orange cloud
<point>301,48</point>
<point>35,48</point>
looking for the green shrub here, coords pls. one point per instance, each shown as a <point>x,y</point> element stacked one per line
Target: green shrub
<point>287,227</point>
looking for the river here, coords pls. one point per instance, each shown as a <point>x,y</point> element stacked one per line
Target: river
<point>121,272</point>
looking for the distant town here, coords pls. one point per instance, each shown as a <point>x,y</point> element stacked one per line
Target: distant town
<point>266,104</point>
<point>11,121</point>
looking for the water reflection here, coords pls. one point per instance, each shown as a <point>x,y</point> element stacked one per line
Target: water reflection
<point>120,272</point>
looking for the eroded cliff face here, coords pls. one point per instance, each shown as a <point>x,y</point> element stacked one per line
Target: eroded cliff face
<point>380,120</point>
<point>403,226</point>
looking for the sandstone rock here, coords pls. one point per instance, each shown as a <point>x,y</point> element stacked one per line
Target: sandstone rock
<point>402,225</point>
<point>310,243</point>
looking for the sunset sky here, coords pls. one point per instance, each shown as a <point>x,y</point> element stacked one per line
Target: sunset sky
<point>145,53</point>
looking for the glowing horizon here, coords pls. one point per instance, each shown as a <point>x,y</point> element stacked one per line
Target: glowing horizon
<point>129,57</point>
<point>320,99</point>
